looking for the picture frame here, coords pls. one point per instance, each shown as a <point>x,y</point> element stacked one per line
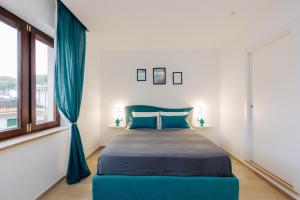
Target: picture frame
<point>159,76</point>
<point>141,74</point>
<point>177,78</point>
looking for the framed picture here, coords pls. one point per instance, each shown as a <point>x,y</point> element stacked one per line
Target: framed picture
<point>141,75</point>
<point>177,78</point>
<point>159,76</point>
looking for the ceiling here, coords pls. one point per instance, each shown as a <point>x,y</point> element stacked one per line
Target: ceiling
<point>167,24</point>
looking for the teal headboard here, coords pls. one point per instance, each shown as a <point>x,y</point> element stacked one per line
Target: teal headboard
<point>144,108</point>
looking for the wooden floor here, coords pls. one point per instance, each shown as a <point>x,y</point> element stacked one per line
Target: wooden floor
<point>252,187</point>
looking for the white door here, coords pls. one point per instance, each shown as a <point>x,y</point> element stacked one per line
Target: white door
<point>275,95</point>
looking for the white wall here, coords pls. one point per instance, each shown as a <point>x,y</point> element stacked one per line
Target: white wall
<point>89,119</point>
<point>233,77</point>
<point>233,100</point>
<point>29,169</point>
<point>118,84</point>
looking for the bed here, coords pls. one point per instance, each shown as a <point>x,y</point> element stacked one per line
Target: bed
<point>163,165</point>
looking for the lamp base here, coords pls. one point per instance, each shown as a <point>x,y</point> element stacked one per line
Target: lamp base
<point>117,122</point>
<point>201,122</point>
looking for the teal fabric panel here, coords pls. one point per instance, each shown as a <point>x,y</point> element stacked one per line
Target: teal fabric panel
<point>143,122</point>
<point>174,122</point>
<point>145,108</point>
<point>112,187</point>
<point>69,73</point>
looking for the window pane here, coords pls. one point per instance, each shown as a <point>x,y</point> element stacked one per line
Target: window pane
<point>44,60</point>
<point>8,77</point>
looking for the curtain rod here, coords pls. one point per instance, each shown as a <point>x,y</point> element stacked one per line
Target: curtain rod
<point>73,15</point>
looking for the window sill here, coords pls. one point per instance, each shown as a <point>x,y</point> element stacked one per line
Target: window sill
<point>30,137</point>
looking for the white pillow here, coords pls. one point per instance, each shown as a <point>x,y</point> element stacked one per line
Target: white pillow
<point>145,114</point>
<point>170,114</point>
<point>148,114</point>
<point>173,113</point>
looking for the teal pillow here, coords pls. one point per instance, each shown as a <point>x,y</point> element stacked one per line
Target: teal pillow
<point>174,121</point>
<point>143,122</point>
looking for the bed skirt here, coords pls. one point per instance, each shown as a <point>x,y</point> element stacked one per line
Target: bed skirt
<point>114,187</point>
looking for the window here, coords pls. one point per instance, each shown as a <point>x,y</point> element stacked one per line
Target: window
<point>44,111</point>
<point>9,65</point>
<point>12,123</point>
<point>27,102</point>
<point>44,82</point>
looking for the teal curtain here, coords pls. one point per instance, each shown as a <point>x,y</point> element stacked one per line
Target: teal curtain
<point>69,73</point>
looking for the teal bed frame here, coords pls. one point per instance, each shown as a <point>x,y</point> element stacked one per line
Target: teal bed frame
<point>114,187</point>
<point>122,187</point>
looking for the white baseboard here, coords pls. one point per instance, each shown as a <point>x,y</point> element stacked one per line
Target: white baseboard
<point>283,189</point>
<point>42,194</point>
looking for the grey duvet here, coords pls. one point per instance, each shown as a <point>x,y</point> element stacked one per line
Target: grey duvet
<point>163,153</point>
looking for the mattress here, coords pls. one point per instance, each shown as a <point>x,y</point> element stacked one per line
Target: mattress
<point>163,153</point>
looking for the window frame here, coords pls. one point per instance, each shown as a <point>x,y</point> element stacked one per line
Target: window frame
<point>36,34</point>
<point>26,33</point>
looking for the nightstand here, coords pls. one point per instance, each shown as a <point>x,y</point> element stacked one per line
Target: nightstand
<point>205,126</point>
<point>118,127</point>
